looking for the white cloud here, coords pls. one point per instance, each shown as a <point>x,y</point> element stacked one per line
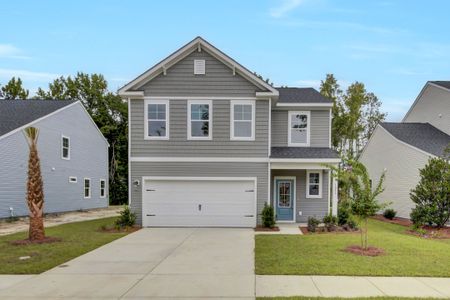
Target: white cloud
<point>285,7</point>
<point>10,51</point>
<point>315,83</point>
<point>27,75</point>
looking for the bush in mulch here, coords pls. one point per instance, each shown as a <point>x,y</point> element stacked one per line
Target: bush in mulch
<point>46,240</point>
<point>370,251</point>
<point>395,220</point>
<point>330,229</point>
<point>118,229</point>
<point>262,228</point>
<point>430,232</point>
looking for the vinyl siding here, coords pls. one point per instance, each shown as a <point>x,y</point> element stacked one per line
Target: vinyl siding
<point>219,146</point>
<point>310,207</point>
<point>140,169</point>
<point>181,81</point>
<point>320,128</point>
<point>88,158</point>
<point>402,164</point>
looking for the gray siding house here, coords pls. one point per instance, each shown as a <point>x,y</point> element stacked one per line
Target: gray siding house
<point>210,143</point>
<point>402,149</point>
<point>73,153</point>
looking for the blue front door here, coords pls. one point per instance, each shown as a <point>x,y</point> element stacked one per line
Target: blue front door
<point>284,191</point>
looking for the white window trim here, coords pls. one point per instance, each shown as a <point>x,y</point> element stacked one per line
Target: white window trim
<point>308,133</point>
<point>189,135</point>
<point>242,102</point>
<point>146,103</point>
<point>308,183</point>
<point>104,195</point>
<point>84,187</point>
<point>62,147</point>
<point>73,177</point>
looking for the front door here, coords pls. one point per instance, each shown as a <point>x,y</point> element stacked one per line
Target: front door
<point>284,199</point>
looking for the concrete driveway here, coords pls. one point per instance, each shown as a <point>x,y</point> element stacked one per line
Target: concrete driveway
<point>153,263</point>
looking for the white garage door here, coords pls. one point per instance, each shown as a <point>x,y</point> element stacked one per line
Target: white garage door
<point>199,202</point>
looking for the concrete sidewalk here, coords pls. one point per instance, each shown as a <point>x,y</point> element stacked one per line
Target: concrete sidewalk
<point>350,287</point>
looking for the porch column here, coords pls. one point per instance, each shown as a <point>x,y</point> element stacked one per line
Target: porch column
<point>334,197</point>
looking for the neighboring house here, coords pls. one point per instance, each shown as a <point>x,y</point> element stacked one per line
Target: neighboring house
<point>210,143</point>
<point>403,148</point>
<point>72,151</point>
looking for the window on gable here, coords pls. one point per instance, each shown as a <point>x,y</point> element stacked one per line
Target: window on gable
<point>87,188</point>
<point>242,120</point>
<point>157,113</point>
<point>314,184</point>
<point>299,128</point>
<point>199,120</point>
<point>102,188</point>
<point>65,147</point>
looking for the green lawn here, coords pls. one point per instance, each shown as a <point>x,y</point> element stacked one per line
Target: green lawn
<point>321,254</point>
<point>324,298</point>
<point>77,239</point>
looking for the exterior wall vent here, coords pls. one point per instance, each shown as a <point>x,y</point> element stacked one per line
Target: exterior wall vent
<point>199,67</point>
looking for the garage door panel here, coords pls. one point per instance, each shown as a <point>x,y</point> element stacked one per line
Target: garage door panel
<point>199,203</point>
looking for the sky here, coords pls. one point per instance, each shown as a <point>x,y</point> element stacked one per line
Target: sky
<point>393,47</point>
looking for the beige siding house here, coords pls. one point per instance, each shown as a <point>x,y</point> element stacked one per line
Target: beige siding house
<point>403,148</point>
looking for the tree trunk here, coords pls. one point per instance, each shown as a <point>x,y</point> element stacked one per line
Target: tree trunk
<point>36,231</point>
<point>366,242</point>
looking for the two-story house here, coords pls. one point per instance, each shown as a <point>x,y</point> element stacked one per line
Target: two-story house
<point>72,150</point>
<point>402,149</point>
<point>210,143</point>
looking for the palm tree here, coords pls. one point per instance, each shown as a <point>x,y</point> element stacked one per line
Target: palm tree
<point>35,189</point>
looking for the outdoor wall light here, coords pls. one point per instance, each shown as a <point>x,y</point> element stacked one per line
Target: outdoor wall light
<point>136,183</point>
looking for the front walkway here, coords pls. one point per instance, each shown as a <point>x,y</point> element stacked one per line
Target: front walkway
<point>348,286</point>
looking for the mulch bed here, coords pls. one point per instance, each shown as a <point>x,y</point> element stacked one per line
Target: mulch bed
<point>396,220</point>
<point>113,229</point>
<point>46,240</point>
<point>262,228</point>
<point>432,233</point>
<point>322,230</point>
<point>370,251</point>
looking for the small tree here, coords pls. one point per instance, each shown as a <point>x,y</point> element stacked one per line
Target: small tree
<point>35,189</point>
<point>432,193</point>
<point>14,90</point>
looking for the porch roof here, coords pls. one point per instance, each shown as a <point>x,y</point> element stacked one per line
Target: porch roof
<point>303,152</point>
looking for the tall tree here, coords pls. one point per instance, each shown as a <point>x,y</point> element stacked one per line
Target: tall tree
<point>14,90</point>
<point>354,100</point>
<point>35,188</point>
<point>371,116</point>
<point>110,114</point>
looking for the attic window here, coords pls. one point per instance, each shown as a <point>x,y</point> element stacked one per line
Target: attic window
<point>199,67</point>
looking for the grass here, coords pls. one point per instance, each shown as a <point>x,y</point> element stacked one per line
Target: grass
<point>77,238</point>
<point>326,298</point>
<point>321,254</point>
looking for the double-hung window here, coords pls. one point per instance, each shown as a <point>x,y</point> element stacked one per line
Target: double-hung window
<point>87,188</point>
<point>199,120</point>
<point>299,128</point>
<point>65,147</point>
<point>314,184</point>
<point>102,188</point>
<point>157,119</point>
<point>242,126</point>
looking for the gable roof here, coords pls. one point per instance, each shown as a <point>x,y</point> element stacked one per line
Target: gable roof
<point>444,84</point>
<point>301,95</point>
<point>131,89</point>
<point>303,152</point>
<point>17,113</point>
<point>423,136</point>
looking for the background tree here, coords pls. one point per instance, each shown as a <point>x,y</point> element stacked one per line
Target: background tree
<point>432,193</point>
<point>110,114</point>
<point>14,90</point>
<point>35,188</point>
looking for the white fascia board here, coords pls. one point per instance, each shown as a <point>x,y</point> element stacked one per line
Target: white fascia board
<point>198,159</point>
<point>131,94</point>
<point>300,166</point>
<point>267,94</point>
<point>305,160</point>
<point>304,104</point>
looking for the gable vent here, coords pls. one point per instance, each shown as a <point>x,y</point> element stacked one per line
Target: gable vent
<point>199,67</point>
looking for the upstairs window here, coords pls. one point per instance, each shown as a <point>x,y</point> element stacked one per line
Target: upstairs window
<point>199,120</point>
<point>157,120</point>
<point>87,188</point>
<point>314,184</point>
<point>242,120</point>
<point>299,128</point>
<point>65,147</point>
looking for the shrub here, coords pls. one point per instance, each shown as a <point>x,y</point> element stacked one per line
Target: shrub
<point>330,222</point>
<point>126,218</point>
<point>312,224</point>
<point>431,195</point>
<point>268,216</point>
<point>343,213</point>
<point>351,223</point>
<point>389,213</point>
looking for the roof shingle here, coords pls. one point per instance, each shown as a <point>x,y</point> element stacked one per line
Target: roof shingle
<point>445,84</point>
<point>303,152</point>
<point>300,95</point>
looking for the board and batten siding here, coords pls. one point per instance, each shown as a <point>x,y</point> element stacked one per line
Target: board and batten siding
<point>320,128</point>
<point>310,207</point>
<point>218,80</point>
<point>197,169</point>
<point>88,158</point>
<point>402,164</point>
<point>179,146</point>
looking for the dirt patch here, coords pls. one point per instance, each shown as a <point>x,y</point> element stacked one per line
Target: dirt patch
<point>398,221</point>
<point>370,251</point>
<point>46,240</point>
<point>322,230</point>
<point>261,228</point>
<point>431,232</point>
<point>119,230</point>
